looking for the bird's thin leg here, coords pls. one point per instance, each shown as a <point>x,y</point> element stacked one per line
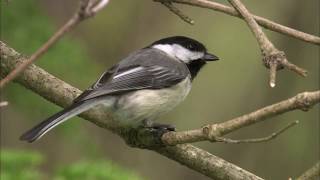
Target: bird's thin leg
<point>147,134</point>
<point>167,127</point>
<point>158,126</point>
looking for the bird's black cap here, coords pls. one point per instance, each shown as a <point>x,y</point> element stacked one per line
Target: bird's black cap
<point>186,42</point>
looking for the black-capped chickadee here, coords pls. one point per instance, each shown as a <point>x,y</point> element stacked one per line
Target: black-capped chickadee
<point>147,83</point>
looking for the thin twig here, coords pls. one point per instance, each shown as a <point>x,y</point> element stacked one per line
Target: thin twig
<point>4,103</point>
<point>266,23</point>
<point>312,173</point>
<point>273,72</point>
<point>303,101</point>
<point>256,140</point>
<point>179,13</point>
<point>294,68</point>
<point>272,57</point>
<point>85,11</point>
<point>100,6</point>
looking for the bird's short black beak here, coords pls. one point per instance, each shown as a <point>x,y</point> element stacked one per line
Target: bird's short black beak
<point>210,57</point>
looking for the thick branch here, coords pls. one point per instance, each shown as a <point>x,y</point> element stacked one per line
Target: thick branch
<point>312,173</point>
<point>302,101</point>
<point>62,94</point>
<point>213,166</point>
<point>266,23</point>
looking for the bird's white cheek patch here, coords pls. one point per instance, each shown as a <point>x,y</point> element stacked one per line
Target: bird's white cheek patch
<point>188,56</point>
<point>167,48</point>
<point>179,52</point>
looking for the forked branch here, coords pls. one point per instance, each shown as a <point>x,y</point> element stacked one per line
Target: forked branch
<point>273,58</point>
<point>256,140</point>
<point>302,101</point>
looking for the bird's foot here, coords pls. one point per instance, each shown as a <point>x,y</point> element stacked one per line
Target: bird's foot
<point>163,127</point>
<point>157,130</point>
<point>149,136</point>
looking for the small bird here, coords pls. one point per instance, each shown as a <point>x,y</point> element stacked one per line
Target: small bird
<point>149,82</point>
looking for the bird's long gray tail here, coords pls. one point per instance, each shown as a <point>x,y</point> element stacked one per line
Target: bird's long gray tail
<point>41,129</point>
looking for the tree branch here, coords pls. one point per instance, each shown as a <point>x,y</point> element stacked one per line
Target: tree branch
<point>206,163</point>
<point>302,101</point>
<point>256,140</point>
<point>312,173</point>
<point>62,94</point>
<point>88,8</point>
<point>176,11</point>
<point>3,104</point>
<point>266,23</point>
<point>272,57</point>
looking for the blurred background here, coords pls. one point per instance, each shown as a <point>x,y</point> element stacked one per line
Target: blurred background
<point>235,85</point>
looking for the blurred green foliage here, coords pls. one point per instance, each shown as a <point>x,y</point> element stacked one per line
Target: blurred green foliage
<point>20,165</point>
<point>97,170</point>
<point>24,165</point>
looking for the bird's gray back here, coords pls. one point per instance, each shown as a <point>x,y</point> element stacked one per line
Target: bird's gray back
<point>151,57</point>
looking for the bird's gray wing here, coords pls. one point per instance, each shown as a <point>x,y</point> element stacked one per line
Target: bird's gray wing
<point>116,80</point>
<point>144,69</point>
<point>134,77</point>
<point>106,76</point>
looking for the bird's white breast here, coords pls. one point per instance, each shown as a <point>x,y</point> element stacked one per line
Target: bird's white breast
<point>148,104</point>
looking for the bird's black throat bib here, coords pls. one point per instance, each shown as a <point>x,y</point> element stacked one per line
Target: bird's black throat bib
<point>195,66</point>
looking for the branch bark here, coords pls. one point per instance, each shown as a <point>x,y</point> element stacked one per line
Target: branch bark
<point>176,11</point>
<point>62,94</point>
<point>312,173</point>
<point>266,23</point>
